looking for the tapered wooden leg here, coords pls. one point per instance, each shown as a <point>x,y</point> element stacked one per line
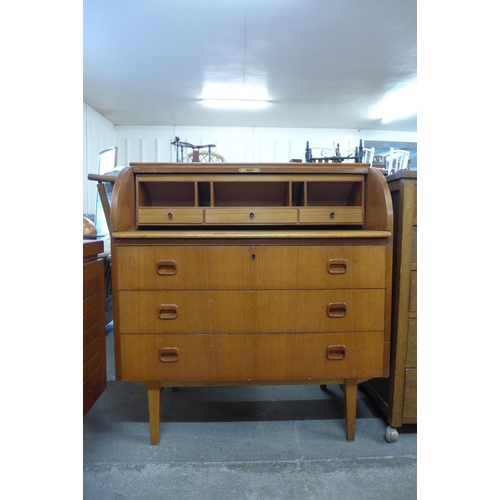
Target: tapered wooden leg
<point>154,399</point>
<point>350,399</point>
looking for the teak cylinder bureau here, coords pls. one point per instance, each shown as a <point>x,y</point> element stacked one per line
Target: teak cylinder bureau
<point>251,274</point>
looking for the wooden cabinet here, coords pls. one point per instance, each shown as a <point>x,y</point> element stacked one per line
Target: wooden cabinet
<point>397,395</point>
<point>255,274</point>
<point>94,329</point>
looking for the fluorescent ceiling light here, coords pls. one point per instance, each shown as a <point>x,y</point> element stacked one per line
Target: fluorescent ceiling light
<point>234,103</point>
<point>397,105</point>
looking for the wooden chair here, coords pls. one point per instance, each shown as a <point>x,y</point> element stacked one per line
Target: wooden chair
<point>205,156</point>
<point>368,155</point>
<point>351,154</point>
<point>396,160</point>
<point>321,155</point>
<point>105,184</point>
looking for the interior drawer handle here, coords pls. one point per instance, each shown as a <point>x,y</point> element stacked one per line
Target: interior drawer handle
<point>335,352</point>
<point>337,266</point>
<point>169,355</point>
<point>167,311</point>
<point>166,267</point>
<point>337,309</point>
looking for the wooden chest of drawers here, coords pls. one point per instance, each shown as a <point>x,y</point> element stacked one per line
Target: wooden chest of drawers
<point>397,395</point>
<point>94,333</point>
<point>268,274</point>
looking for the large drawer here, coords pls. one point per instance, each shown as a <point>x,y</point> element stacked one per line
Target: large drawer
<point>249,267</point>
<point>252,312</point>
<point>247,358</point>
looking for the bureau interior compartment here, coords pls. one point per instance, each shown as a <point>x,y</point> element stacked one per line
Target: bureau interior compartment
<point>320,193</point>
<point>168,193</point>
<point>254,194</point>
<point>173,200</point>
<point>178,191</point>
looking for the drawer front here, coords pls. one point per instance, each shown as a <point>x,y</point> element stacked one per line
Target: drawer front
<point>252,312</point>
<point>332,215</point>
<point>411,349</point>
<point>247,358</point>
<point>410,397</point>
<point>251,216</point>
<point>413,291</point>
<point>164,216</point>
<point>249,267</point>
<point>415,206</point>
<point>414,248</point>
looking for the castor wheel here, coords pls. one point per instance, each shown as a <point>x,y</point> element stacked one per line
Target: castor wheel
<point>391,434</point>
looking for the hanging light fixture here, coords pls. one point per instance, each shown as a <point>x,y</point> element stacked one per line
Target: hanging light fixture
<point>235,103</point>
<point>398,104</point>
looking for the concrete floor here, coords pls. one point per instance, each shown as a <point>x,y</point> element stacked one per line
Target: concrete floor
<point>238,443</point>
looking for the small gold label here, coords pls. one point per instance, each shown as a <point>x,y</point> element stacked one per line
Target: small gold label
<point>249,169</point>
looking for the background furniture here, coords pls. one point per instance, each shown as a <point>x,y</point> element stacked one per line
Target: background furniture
<point>203,155</point>
<point>251,274</point>
<point>105,185</point>
<point>196,150</point>
<point>397,160</point>
<point>397,395</point>
<point>94,331</point>
<point>368,155</point>
<point>106,162</point>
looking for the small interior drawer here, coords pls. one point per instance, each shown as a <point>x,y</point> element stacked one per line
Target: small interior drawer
<point>250,215</point>
<point>165,216</point>
<point>331,215</point>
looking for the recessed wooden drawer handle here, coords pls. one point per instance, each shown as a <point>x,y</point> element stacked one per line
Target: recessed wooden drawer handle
<point>335,352</point>
<point>337,309</point>
<point>167,311</point>
<point>169,355</point>
<point>166,267</point>
<point>337,266</point>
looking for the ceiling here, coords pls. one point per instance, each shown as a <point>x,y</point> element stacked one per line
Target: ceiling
<point>323,63</point>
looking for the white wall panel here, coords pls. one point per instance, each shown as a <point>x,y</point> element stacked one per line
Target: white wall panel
<point>240,144</point>
<point>236,144</point>
<point>98,134</point>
